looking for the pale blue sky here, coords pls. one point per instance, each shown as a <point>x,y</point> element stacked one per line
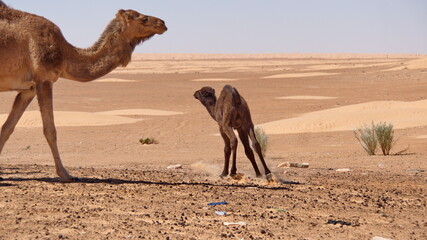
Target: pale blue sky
<point>252,26</point>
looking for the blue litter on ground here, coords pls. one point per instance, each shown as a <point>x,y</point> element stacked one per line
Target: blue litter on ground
<point>217,203</point>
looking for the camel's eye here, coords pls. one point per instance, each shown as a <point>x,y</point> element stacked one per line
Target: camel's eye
<point>144,19</point>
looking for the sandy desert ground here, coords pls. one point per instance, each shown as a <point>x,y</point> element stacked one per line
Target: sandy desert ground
<point>307,104</point>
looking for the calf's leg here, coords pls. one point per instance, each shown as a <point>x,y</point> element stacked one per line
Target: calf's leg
<point>257,147</point>
<point>248,151</point>
<point>227,153</point>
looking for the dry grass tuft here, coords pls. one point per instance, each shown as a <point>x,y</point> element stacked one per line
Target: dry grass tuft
<point>366,137</point>
<point>262,139</point>
<point>370,137</point>
<point>385,137</point>
<point>147,141</point>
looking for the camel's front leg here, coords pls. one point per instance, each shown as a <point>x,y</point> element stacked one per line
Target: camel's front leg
<point>44,96</point>
<point>22,100</point>
<point>233,144</point>
<point>227,153</point>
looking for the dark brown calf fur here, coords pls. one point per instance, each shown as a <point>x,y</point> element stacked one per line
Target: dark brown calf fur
<point>232,112</point>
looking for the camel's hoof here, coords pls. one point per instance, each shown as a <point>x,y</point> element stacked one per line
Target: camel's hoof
<point>238,176</point>
<point>68,180</point>
<point>271,178</point>
<point>223,175</point>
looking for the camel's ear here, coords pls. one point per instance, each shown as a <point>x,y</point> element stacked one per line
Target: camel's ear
<point>124,16</point>
<point>209,92</point>
<point>120,14</point>
<point>212,91</point>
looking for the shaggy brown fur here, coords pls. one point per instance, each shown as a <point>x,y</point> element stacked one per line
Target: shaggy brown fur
<point>34,54</point>
<point>231,111</point>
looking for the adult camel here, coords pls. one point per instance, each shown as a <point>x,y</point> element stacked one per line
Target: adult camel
<point>34,54</point>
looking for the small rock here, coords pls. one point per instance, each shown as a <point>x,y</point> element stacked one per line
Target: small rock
<point>293,164</point>
<point>343,170</point>
<point>381,165</point>
<point>335,222</point>
<point>177,166</point>
<point>234,224</point>
<point>380,238</point>
<point>278,209</point>
<point>415,170</point>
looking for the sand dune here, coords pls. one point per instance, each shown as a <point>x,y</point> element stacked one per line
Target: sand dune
<point>118,80</point>
<point>346,66</point>
<point>296,75</point>
<point>214,80</point>
<point>421,137</point>
<point>306,98</point>
<point>412,64</point>
<point>201,56</point>
<point>401,114</point>
<point>150,112</point>
<point>219,63</point>
<point>32,119</point>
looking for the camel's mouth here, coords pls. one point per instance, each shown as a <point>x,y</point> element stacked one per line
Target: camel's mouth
<point>161,26</point>
<point>196,95</point>
<point>161,29</point>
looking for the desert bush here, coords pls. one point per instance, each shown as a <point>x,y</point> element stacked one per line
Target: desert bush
<point>366,137</point>
<point>147,141</point>
<point>385,137</point>
<point>262,139</point>
<point>370,137</point>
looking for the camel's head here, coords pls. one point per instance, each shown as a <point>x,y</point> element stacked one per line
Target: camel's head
<point>206,95</point>
<point>139,25</point>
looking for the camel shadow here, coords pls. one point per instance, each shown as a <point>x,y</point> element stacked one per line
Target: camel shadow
<point>18,173</point>
<point>114,181</point>
<point>6,184</point>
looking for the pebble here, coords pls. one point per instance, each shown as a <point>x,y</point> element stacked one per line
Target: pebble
<point>233,224</point>
<point>177,166</point>
<point>380,238</point>
<point>293,164</point>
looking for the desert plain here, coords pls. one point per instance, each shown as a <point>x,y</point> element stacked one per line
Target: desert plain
<point>308,105</point>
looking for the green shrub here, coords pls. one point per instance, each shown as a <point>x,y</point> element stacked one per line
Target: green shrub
<point>381,134</point>
<point>262,139</point>
<point>385,137</point>
<point>366,137</point>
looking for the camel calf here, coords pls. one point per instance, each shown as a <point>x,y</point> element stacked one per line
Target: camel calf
<point>231,111</point>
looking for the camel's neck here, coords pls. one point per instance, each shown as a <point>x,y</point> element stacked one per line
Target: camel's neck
<point>112,50</point>
<point>211,110</point>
